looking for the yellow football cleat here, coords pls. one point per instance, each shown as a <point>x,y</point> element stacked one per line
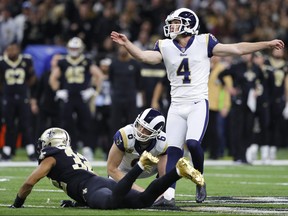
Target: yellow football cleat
<point>147,160</point>
<point>186,170</point>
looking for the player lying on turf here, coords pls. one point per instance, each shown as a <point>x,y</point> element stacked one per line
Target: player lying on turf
<point>71,172</point>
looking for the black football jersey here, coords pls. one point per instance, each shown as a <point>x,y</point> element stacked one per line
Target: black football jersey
<point>244,79</point>
<point>14,74</point>
<point>75,73</point>
<point>70,172</point>
<point>279,70</point>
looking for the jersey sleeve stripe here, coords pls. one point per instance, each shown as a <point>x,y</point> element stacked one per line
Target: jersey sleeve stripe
<point>124,137</point>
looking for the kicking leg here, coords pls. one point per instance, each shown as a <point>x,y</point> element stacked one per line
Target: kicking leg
<point>158,186</point>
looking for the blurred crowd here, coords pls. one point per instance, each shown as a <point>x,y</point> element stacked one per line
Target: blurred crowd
<point>55,22</point>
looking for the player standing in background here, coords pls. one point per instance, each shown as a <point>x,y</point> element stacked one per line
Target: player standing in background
<point>74,80</point>
<point>17,77</point>
<point>187,59</point>
<point>277,65</point>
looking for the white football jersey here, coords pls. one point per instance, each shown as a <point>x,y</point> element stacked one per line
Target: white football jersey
<point>188,68</point>
<point>125,140</point>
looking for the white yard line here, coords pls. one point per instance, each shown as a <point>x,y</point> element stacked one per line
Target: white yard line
<point>227,175</point>
<point>103,163</point>
<point>262,183</point>
<point>215,200</point>
<point>238,210</point>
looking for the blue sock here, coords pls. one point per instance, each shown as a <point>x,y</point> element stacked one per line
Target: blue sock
<point>174,154</point>
<point>197,154</point>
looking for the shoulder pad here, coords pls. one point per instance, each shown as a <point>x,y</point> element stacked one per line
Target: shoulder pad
<point>161,143</point>
<point>49,151</point>
<point>127,136</point>
<point>202,37</point>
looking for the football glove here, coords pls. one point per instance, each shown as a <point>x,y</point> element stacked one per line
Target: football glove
<point>67,203</point>
<point>70,203</point>
<point>285,112</point>
<point>88,93</point>
<point>62,94</point>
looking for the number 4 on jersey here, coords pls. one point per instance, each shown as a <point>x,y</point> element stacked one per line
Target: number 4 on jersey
<point>183,70</point>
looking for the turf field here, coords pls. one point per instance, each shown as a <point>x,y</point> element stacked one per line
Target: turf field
<point>232,190</point>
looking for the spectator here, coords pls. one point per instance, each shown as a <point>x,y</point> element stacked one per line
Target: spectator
<point>7,29</point>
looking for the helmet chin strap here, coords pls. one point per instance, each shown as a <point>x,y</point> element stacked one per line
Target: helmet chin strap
<point>173,35</point>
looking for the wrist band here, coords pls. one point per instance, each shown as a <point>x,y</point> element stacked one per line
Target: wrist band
<point>18,202</point>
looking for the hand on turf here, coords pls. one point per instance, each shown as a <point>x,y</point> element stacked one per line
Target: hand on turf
<point>67,203</point>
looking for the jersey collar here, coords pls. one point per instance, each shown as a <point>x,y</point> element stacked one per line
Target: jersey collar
<point>140,149</point>
<point>183,49</point>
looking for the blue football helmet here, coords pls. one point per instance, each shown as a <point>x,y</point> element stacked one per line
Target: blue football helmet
<point>152,121</point>
<point>189,23</point>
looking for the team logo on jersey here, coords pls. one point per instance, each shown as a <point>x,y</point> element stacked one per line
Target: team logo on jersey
<point>118,141</point>
<point>42,155</point>
<point>213,37</point>
<point>249,75</point>
<point>84,191</point>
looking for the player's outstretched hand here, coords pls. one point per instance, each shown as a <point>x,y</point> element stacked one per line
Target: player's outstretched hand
<point>121,39</point>
<point>276,44</point>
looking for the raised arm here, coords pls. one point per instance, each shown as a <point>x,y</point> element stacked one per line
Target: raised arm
<point>246,47</point>
<point>147,56</point>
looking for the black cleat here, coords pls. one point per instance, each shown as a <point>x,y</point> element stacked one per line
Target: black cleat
<point>5,157</point>
<point>162,202</point>
<point>201,193</point>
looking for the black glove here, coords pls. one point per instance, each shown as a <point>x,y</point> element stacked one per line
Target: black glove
<point>70,203</point>
<point>67,203</point>
<point>18,202</point>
